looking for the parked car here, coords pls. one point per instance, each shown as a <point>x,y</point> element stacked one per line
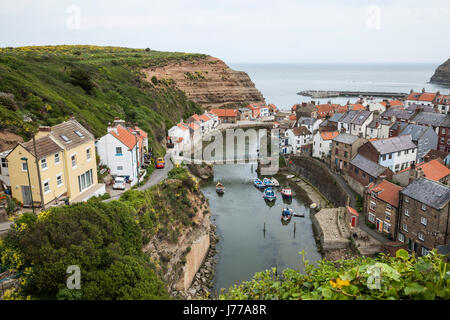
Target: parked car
<point>119,183</point>
<point>159,163</point>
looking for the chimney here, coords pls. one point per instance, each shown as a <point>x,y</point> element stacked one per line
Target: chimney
<point>45,129</point>
<point>411,91</point>
<point>423,90</point>
<point>420,173</point>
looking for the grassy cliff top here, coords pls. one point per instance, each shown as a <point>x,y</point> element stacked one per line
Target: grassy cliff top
<point>44,85</point>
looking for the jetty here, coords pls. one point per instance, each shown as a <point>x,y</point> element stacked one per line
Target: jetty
<point>332,94</point>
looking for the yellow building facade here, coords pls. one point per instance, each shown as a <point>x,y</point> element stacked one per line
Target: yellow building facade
<point>65,156</point>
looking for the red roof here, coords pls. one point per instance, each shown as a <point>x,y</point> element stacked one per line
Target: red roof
<point>329,135</point>
<point>225,112</point>
<point>194,126</point>
<point>427,96</point>
<point>292,117</point>
<point>392,103</point>
<point>125,136</point>
<point>386,191</point>
<point>357,106</point>
<point>352,211</point>
<point>182,126</point>
<point>204,117</point>
<point>433,170</point>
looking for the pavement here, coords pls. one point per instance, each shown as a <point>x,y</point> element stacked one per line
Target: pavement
<point>158,175</point>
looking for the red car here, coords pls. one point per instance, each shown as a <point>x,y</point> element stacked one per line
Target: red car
<point>159,163</point>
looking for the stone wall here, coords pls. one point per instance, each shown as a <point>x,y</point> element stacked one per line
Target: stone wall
<point>320,177</point>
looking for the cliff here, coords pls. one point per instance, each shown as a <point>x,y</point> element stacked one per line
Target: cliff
<point>442,74</point>
<point>208,82</point>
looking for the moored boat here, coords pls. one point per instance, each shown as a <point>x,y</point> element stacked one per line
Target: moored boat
<point>267,182</point>
<point>220,189</point>
<point>275,182</point>
<point>269,194</point>
<point>286,214</point>
<point>258,183</point>
<point>286,193</point>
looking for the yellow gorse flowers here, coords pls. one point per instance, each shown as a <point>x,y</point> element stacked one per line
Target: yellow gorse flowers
<point>339,283</point>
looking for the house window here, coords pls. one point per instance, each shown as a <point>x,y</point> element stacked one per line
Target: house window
<point>405,227</point>
<point>423,221</point>
<point>388,216</point>
<point>44,164</point>
<point>24,166</point>
<point>384,157</point>
<point>59,181</point>
<point>79,133</point>
<point>425,251</point>
<point>399,153</point>
<point>74,160</point>
<point>420,236</point>
<point>57,158</point>
<point>373,205</point>
<point>386,227</point>
<point>406,212</point>
<point>424,207</point>
<point>118,151</point>
<point>406,199</point>
<point>390,155</point>
<point>85,180</point>
<point>88,154</point>
<point>388,206</point>
<point>374,195</point>
<point>66,140</point>
<point>401,237</point>
<point>4,163</point>
<point>46,187</point>
<point>371,217</point>
<point>119,168</point>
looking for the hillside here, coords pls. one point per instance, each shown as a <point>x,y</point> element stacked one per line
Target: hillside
<point>209,82</point>
<point>46,85</point>
<point>442,74</point>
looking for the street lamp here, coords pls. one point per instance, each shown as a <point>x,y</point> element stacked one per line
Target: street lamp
<point>137,160</point>
<point>29,181</point>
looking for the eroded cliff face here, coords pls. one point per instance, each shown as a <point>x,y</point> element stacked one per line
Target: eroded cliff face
<point>442,74</point>
<point>209,82</point>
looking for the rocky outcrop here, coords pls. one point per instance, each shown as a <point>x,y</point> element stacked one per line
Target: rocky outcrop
<point>442,74</point>
<point>203,171</point>
<point>209,82</point>
<point>8,140</point>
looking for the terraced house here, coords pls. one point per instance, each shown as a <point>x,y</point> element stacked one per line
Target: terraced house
<point>424,215</point>
<point>60,165</point>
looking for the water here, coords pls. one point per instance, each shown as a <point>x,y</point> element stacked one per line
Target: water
<point>240,215</point>
<point>279,83</point>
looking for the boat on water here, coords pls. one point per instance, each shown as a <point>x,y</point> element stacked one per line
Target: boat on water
<point>268,182</point>
<point>275,182</point>
<point>220,189</point>
<point>290,176</point>
<point>286,214</point>
<point>286,193</point>
<point>258,183</point>
<point>269,194</point>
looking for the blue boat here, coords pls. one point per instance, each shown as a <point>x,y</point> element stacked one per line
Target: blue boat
<point>268,182</point>
<point>269,194</point>
<point>258,183</point>
<point>286,214</point>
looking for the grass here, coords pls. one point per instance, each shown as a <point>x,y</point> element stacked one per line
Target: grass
<point>48,84</point>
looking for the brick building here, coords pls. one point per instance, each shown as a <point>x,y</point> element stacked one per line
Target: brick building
<point>381,202</point>
<point>343,148</point>
<point>424,215</point>
<point>444,135</point>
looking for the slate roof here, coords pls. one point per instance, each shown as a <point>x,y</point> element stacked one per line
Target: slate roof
<point>431,193</point>
<point>366,165</point>
<point>68,128</point>
<point>348,117</point>
<point>361,117</point>
<point>300,131</point>
<point>393,144</point>
<point>430,118</point>
<point>446,122</point>
<point>346,138</point>
<point>416,131</point>
<point>309,121</point>
<point>336,117</point>
<point>44,146</point>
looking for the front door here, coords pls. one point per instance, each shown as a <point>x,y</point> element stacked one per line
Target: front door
<point>379,225</point>
<point>26,195</point>
<point>353,221</point>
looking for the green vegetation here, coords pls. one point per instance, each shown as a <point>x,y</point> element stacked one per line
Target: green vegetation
<point>358,203</point>
<point>95,84</point>
<point>400,277</point>
<point>104,239</point>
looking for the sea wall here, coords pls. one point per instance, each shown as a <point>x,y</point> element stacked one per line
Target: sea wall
<point>320,177</point>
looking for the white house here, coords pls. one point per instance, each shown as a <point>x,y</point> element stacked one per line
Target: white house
<point>120,150</point>
<point>4,172</point>
<point>378,129</point>
<point>396,153</point>
<point>443,103</point>
<point>312,124</point>
<point>179,133</point>
<point>360,121</point>
<point>264,111</point>
<point>322,143</point>
<point>296,139</point>
<point>420,98</point>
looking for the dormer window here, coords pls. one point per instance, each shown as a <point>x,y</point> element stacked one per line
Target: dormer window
<point>67,140</point>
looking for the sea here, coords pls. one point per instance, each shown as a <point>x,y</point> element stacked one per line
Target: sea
<point>280,82</point>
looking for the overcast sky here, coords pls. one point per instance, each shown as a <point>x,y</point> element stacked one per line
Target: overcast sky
<point>241,30</point>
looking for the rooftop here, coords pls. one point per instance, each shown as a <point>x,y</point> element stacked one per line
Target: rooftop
<point>346,138</point>
<point>368,166</point>
<point>386,191</point>
<point>428,192</point>
<point>393,144</point>
<point>329,135</point>
<point>430,118</point>
<point>44,146</point>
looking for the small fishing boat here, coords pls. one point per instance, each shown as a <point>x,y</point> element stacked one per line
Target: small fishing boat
<point>269,194</point>
<point>286,214</point>
<point>286,193</point>
<point>258,183</point>
<point>275,182</point>
<point>267,182</point>
<point>290,176</point>
<point>301,215</point>
<point>220,189</point>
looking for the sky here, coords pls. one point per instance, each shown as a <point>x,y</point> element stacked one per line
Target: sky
<point>260,31</point>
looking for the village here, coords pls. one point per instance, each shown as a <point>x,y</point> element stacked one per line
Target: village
<point>392,154</point>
